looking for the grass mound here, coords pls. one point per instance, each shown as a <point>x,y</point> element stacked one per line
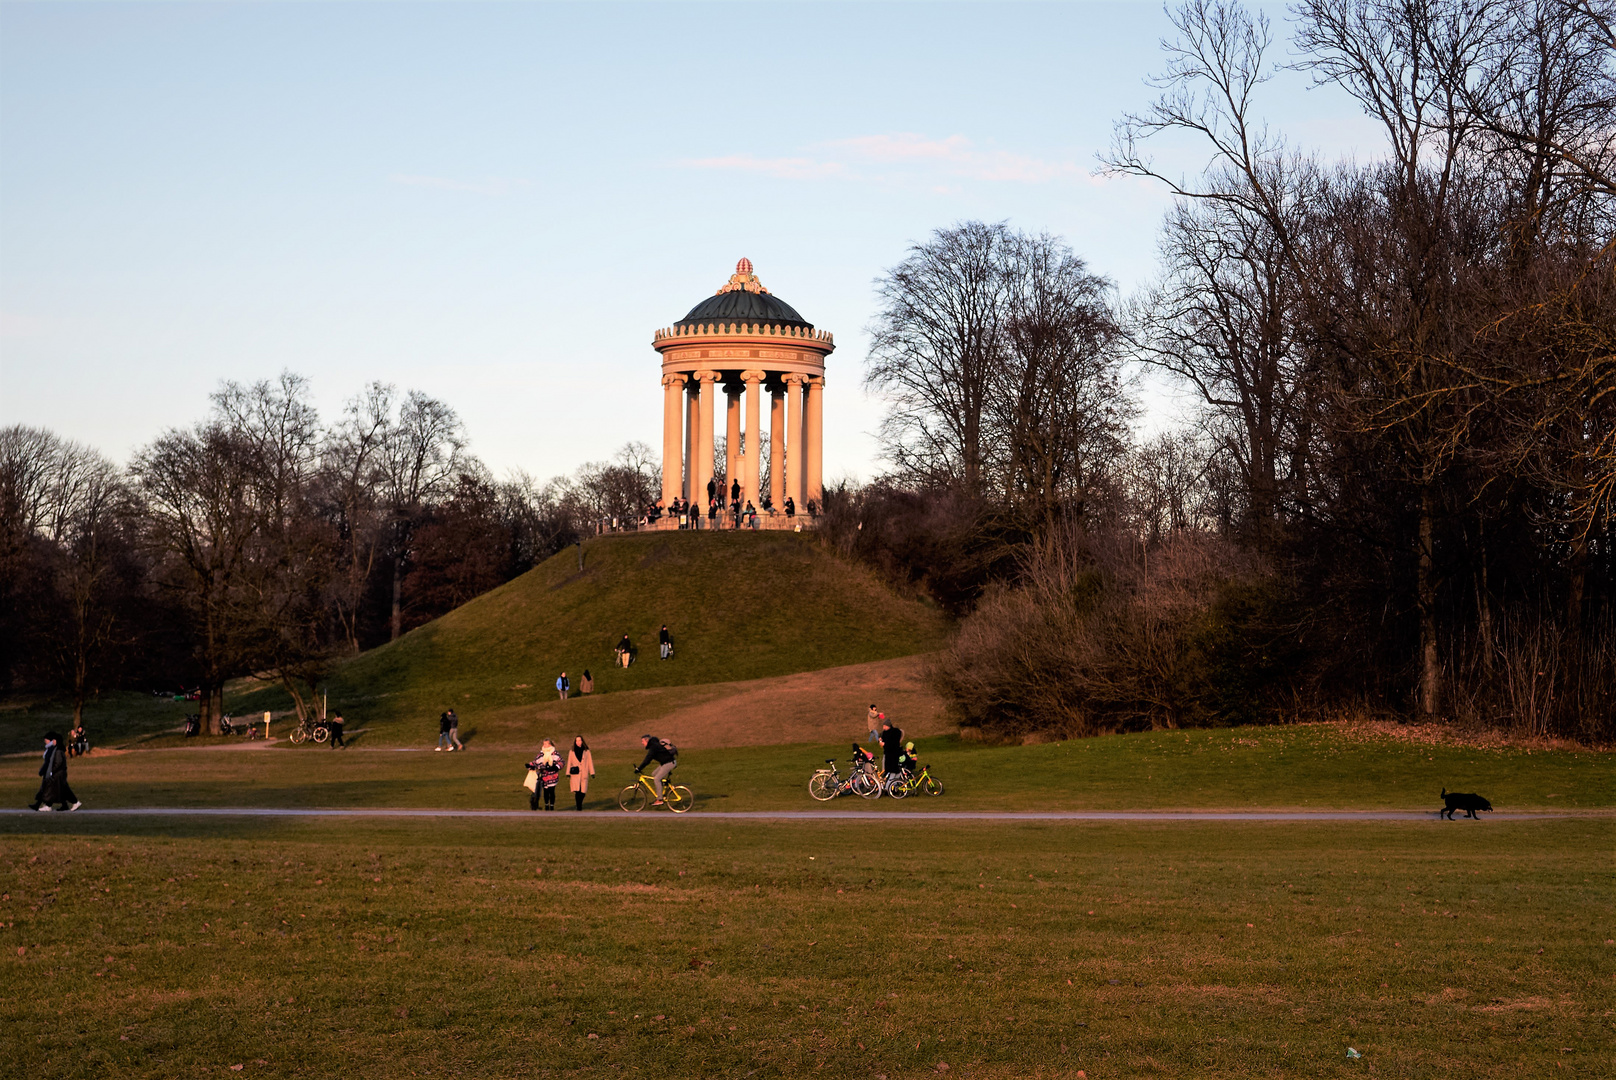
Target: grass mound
<point>740,606</point>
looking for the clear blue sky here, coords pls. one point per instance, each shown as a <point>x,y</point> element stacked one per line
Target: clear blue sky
<point>499,204</point>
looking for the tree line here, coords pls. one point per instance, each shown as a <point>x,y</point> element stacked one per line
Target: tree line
<point>1403,472</point>
<point>262,541</point>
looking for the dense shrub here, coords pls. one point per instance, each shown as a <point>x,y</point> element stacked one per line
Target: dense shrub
<point>1102,634</point>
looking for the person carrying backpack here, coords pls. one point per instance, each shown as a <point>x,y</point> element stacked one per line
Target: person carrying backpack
<point>665,754</point>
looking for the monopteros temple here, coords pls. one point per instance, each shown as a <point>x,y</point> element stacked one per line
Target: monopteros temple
<point>745,343</point>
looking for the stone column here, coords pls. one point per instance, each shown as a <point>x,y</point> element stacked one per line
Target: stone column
<point>814,422</point>
<point>777,448</point>
<point>732,435</point>
<point>692,433</point>
<point>796,472</point>
<point>673,388</point>
<point>702,470</point>
<point>750,472</point>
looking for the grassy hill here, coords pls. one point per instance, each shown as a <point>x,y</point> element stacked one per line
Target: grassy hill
<point>740,606</point>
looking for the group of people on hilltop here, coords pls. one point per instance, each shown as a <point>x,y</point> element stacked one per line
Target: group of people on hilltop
<point>742,512</point>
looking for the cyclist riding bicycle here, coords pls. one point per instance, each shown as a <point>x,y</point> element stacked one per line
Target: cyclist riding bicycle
<point>665,754</point>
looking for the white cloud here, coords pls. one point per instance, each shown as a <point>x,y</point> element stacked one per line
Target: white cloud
<point>494,185</point>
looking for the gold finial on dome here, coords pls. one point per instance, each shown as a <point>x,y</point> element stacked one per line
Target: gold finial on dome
<point>743,278</point>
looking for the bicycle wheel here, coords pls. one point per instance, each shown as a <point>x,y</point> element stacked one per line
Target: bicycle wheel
<point>898,787</point>
<point>321,734</point>
<point>822,787</point>
<point>932,786</point>
<point>678,798</point>
<point>298,735</point>
<point>866,786</point>
<point>633,798</point>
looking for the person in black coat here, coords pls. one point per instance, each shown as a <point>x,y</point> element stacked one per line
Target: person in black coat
<point>53,787</point>
<point>891,749</point>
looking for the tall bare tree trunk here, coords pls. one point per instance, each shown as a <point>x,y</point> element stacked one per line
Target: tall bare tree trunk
<point>398,592</point>
<point>1430,663</point>
<point>1484,604</point>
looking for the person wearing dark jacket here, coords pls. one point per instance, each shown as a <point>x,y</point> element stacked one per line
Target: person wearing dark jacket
<point>335,724</point>
<point>53,787</point>
<point>660,752</point>
<point>665,639</point>
<point>891,748</point>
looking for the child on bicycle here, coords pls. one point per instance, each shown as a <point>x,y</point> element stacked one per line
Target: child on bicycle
<point>909,761</point>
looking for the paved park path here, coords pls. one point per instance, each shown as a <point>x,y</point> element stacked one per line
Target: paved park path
<point>906,816</point>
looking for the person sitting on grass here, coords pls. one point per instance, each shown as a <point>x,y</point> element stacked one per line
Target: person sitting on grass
<point>664,755</point>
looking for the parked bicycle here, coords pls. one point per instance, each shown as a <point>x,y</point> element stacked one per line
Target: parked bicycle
<point>309,728</point>
<point>642,793</point>
<point>826,784</point>
<point>902,784</point>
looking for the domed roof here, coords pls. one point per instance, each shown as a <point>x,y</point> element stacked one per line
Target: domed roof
<point>744,299</point>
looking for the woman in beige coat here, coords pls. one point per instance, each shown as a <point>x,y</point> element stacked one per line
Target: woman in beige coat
<point>580,767</point>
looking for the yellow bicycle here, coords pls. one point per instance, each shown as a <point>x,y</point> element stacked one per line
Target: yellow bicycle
<point>640,794</point>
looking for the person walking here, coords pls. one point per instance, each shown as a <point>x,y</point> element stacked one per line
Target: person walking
<point>335,724</point>
<point>891,748</point>
<point>53,787</point>
<point>548,766</point>
<point>580,767</point>
<point>665,640</point>
<point>563,684</point>
<point>443,732</point>
<point>454,731</point>
<point>666,758</point>
<point>625,651</point>
<point>586,685</point>
<point>874,718</point>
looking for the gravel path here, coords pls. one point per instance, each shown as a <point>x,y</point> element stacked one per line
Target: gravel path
<point>906,816</point>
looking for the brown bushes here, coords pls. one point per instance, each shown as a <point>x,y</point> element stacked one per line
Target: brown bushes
<point>1102,634</point>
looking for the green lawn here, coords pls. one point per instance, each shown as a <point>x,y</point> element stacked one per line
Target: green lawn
<point>1312,766</point>
<point>578,946</point>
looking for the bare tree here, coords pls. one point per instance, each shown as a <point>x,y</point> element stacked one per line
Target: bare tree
<point>355,458</point>
<point>934,349</point>
<point>1056,403</point>
<point>201,519</point>
<point>1224,318</point>
<point>423,455</point>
